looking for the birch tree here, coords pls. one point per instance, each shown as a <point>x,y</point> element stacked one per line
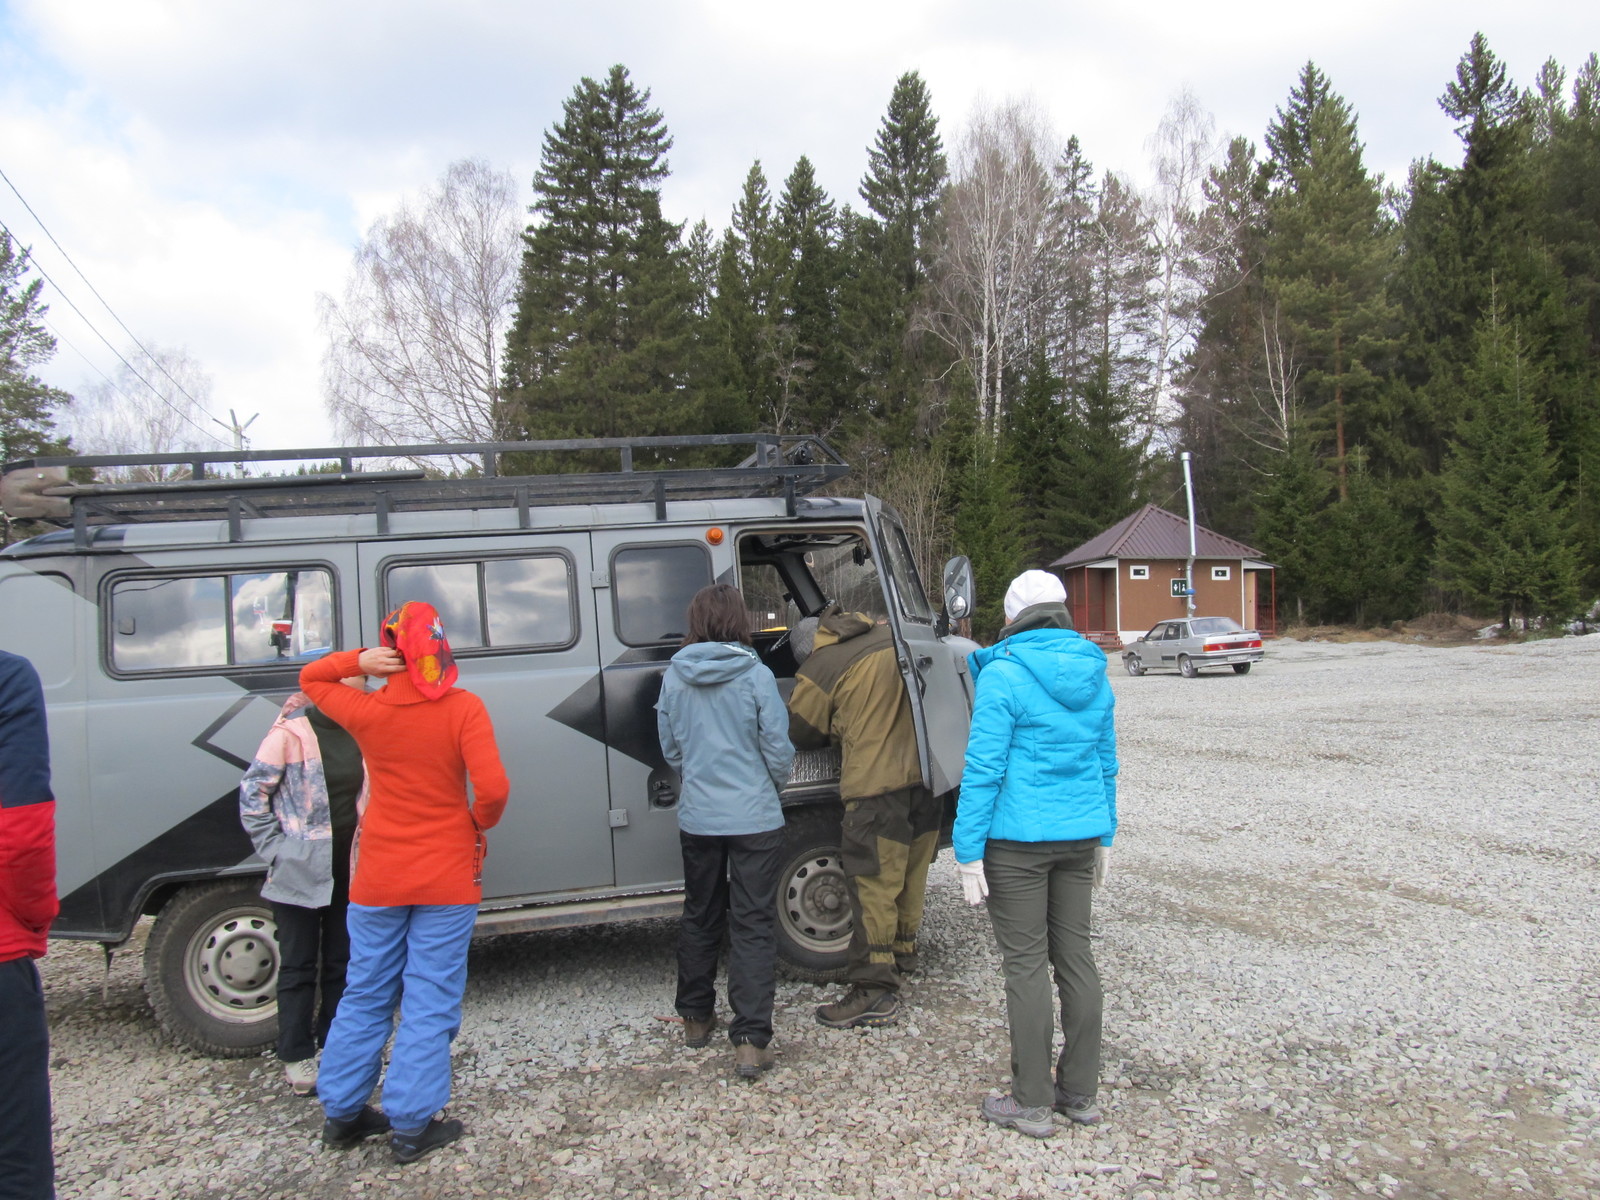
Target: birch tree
<point>1002,230</point>
<point>414,343</point>
<point>157,402</point>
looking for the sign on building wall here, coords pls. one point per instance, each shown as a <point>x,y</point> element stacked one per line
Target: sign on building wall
<point>1180,587</point>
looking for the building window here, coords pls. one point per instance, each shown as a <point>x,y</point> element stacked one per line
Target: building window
<point>1138,572</point>
<point>1222,572</point>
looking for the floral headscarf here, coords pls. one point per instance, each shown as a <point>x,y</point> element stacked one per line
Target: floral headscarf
<point>415,630</point>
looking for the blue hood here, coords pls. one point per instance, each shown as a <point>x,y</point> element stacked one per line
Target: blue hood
<point>1069,668</point>
<point>706,663</point>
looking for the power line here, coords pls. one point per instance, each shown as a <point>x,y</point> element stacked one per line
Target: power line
<point>155,391</point>
<point>104,303</point>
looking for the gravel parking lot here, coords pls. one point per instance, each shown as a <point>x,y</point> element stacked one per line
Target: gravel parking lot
<point>1349,945</point>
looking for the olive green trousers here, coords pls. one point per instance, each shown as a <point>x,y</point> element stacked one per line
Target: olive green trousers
<point>888,844</point>
<point>1040,896</point>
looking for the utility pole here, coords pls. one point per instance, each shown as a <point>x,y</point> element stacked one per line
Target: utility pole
<point>1188,569</point>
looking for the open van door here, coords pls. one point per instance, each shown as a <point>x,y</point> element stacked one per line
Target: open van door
<point>934,670</point>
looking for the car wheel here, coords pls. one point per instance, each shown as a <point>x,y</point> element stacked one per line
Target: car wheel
<point>1186,667</point>
<point>1133,665</point>
<point>1241,668</point>
<point>211,969</point>
<point>814,915</point>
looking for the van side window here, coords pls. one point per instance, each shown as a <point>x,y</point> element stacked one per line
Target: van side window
<point>493,603</point>
<point>652,587</point>
<point>195,621</point>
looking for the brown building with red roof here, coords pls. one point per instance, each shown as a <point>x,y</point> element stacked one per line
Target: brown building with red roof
<point>1122,581</point>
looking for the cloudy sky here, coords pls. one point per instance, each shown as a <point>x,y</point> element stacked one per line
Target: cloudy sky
<point>209,164</point>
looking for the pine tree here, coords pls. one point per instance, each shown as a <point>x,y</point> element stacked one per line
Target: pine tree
<point>1231,416</point>
<point>1503,523</point>
<point>1327,257</point>
<point>602,340</point>
<point>741,334</point>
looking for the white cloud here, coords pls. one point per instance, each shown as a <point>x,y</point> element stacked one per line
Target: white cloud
<point>210,164</point>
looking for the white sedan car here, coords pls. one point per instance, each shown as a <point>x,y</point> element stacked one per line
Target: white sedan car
<point>1189,643</point>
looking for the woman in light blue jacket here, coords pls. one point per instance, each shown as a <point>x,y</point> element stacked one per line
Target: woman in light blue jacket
<point>725,730</point>
<point>1033,834</point>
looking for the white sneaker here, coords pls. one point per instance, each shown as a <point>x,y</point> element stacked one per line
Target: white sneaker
<point>302,1076</point>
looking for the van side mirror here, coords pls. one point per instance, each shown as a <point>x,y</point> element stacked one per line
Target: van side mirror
<point>960,593</point>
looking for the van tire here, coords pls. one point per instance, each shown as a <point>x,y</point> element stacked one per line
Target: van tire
<point>814,917</point>
<point>211,968</point>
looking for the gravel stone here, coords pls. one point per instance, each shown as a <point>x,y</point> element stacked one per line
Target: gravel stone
<point>1349,947</point>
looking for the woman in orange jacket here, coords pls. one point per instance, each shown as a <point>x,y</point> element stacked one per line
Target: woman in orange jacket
<point>416,882</point>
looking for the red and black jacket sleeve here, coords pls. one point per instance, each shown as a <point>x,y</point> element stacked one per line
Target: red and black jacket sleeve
<point>27,814</point>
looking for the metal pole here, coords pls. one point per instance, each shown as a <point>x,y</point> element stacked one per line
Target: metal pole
<point>1188,569</point>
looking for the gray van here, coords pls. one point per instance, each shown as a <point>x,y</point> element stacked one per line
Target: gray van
<point>168,621</point>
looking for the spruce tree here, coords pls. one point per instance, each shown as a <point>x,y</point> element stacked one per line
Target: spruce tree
<point>1288,517</point>
<point>602,339</point>
<point>1367,554</point>
<point>1504,533</point>
<point>886,255</point>
<point>809,369</point>
<point>988,503</point>
<point>741,335</point>
<point>28,405</point>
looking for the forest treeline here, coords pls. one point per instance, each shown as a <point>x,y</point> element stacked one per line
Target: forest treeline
<point>1392,390</point>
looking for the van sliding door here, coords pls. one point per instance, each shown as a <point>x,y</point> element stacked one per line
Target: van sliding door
<point>516,612</point>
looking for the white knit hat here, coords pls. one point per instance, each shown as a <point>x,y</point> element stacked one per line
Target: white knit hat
<point>1030,588</point>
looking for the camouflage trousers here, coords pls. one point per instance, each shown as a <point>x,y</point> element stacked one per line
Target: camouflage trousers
<point>888,844</point>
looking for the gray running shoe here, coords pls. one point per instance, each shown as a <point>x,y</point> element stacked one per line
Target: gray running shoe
<point>1006,1112</point>
<point>1077,1107</point>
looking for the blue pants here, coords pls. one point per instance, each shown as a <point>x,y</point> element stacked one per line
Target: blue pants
<point>412,957</point>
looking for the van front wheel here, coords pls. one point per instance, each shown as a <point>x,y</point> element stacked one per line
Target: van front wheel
<point>814,917</point>
<point>211,969</point>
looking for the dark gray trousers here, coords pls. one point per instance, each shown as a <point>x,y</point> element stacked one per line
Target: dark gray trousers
<point>27,1164</point>
<point>1039,901</point>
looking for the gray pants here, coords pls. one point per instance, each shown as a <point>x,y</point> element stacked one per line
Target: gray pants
<point>1039,900</point>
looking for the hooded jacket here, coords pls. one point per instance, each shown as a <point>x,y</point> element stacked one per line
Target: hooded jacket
<point>27,815</point>
<point>283,804</point>
<point>724,729</point>
<point>1042,757</point>
<point>850,692</point>
<point>421,841</point>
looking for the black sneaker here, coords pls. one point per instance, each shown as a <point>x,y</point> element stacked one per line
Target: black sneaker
<point>341,1135</point>
<point>408,1147</point>
<point>861,1006</point>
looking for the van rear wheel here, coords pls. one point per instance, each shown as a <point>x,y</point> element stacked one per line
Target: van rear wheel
<point>814,916</point>
<point>211,969</point>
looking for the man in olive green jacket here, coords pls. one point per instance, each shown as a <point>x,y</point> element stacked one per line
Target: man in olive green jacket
<point>849,691</point>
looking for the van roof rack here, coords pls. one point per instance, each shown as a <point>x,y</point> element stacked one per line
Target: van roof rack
<point>786,465</point>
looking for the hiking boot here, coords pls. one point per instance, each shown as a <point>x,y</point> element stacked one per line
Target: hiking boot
<point>749,1060</point>
<point>868,1008</point>
<point>1006,1112</point>
<point>342,1134</point>
<point>408,1147</point>
<point>1077,1107</point>
<point>697,1034</point>
<point>302,1076</point>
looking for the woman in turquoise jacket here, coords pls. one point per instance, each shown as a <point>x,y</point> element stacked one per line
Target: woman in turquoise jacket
<point>1033,835</point>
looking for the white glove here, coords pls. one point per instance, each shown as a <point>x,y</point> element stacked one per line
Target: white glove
<point>973,885</point>
<point>1102,864</point>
